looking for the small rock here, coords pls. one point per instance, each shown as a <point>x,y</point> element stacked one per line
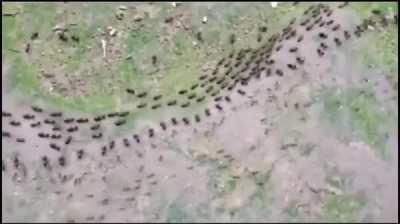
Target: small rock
<point>113,32</point>
<point>122,7</point>
<point>138,18</point>
<point>205,19</point>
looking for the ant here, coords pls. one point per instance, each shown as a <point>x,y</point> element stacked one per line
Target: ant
<point>69,139</point>
<point>126,142</point>
<point>140,106</point>
<point>186,121</point>
<point>37,124</point>
<point>163,126</point>
<point>56,114</point>
<point>219,107</point>
<point>15,123</point>
<point>172,103</point>
<point>130,91</point>
<point>54,146</point>
<point>29,116</point>
<point>155,106</point>
<point>151,132</point>
<point>136,137</point>
<point>69,120</point>
<point>141,95</point>
<point>291,66</point>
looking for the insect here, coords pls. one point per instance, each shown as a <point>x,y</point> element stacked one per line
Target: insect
<point>82,120</point>
<point>186,121</point>
<point>182,92</point>
<point>27,48</point>
<point>112,144</point>
<point>278,48</point>
<point>5,134</point>
<point>37,109</point>
<point>123,114</point>
<point>227,98</point>
<point>322,35</point>
<point>163,126</point>
<point>140,106</point>
<point>199,36</point>
<point>279,72</point>
<point>155,106</point>
<point>45,161</point>
<point>172,103</point>
<point>136,137</point>
<point>304,22</point>
<point>197,118</point>
<point>337,41</point>
<point>320,52</point>
<point>232,38</point>
<point>54,146</point>
<point>37,124</point>
<point>15,123</point>
<point>293,49</point>
<point>103,150</point>
<point>99,135</point>
<point>95,127</point>
<point>51,122</point>
<point>329,22</point>
<point>151,132</point>
<point>154,60</point>
<point>324,46</point>
<point>61,161</point>
<point>126,142</point>
<point>54,136</point>
<point>219,107</point>
<point>192,96</point>
<point>69,120</point>
<point>218,98</point>
<point>130,91</point>
<point>200,99</point>
<point>68,140</point>
<point>309,27</point>
<point>300,38</point>
<point>185,105</point>
<point>209,89</point>
<point>322,24</point>
<point>72,129</point>
<point>43,135</point>
<point>300,60</point>
<point>292,66</point>
<point>202,77</point>
<point>207,112</point>
<point>99,118</point>
<point>28,116</point>
<point>56,114</point>
<point>20,140</point>
<point>259,37</point>
<point>141,95</point>
<point>212,79</point>
<point>5,114</point>
<point>336,27</point>
<point>346,34</point>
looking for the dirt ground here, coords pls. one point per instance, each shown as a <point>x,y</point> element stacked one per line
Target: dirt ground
<point>306,131</point>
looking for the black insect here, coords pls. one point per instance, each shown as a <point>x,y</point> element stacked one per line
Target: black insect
<point>68,140</point>
<point>200,99</point>
<point>219,98</point>
<point>154,60</point>
<point>29,116</point>
<point>346,34</point>
<point>142,105</point>
<point>99,135</point>
<point>72,129</point>
<point>151,133</point>
<point>69,120</point>
<point>51,122</point>
<point>99,118</point>
<point>123,114</point>
<point>56,114</point>
<point>54,146</point>
<point>323,45</point>
<point>291,66</point>
<point>186,121</point>
<point>212,79</point>
<point>61,161</point>
<point>157,97</point>
<point>219,107</point>
<point>309,27</point>
<point>103,150</point>
<point>136,137</point>
<point>163,126</point>
<point>54,136</point>
<point>337,41</point>
<point>322,24</point>
<point>228,99</point>
<point>75,38</point>
<point>45,162</point>
<point>304,22</point>
<point>80,153</point>
<point>336,27</point>
<point>5,134</point>
<point>95,127</point>
<point>232,38</point>
<point>126,142</point>
<point>181,92</point>
<point>56,128</point>
<point>300,60</point>
<point>209,89</point>
<point>199,36</point>
<point>141,95</point>
<point>130,91</point>
<point>20,140</point>
<point>322,35</point>
<point>320,52</point>
<point>155,106</point>
<point>37,109</point>
<point>329,22</point>
<point>82,120</point>
<point>279,72</point>
<point>278,48</point>
<point>192,96</point>
<point>202,77</point>
<point>27,48</point>
<point>293,49</point>
<point>43,135</point>
<point>185,105</point>
<point>259,37</point>
<point>15,123</point>
<point>5,114</point>
<point>300,38</point>
<point>174,121</point>
<point>112,144</point>
<point>172,103</point>
<point>37,124</point>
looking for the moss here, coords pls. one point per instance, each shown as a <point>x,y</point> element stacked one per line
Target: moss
<point>343,208</point>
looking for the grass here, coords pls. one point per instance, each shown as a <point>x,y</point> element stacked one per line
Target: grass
<point>355,111</point>
<point>343,208</point>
